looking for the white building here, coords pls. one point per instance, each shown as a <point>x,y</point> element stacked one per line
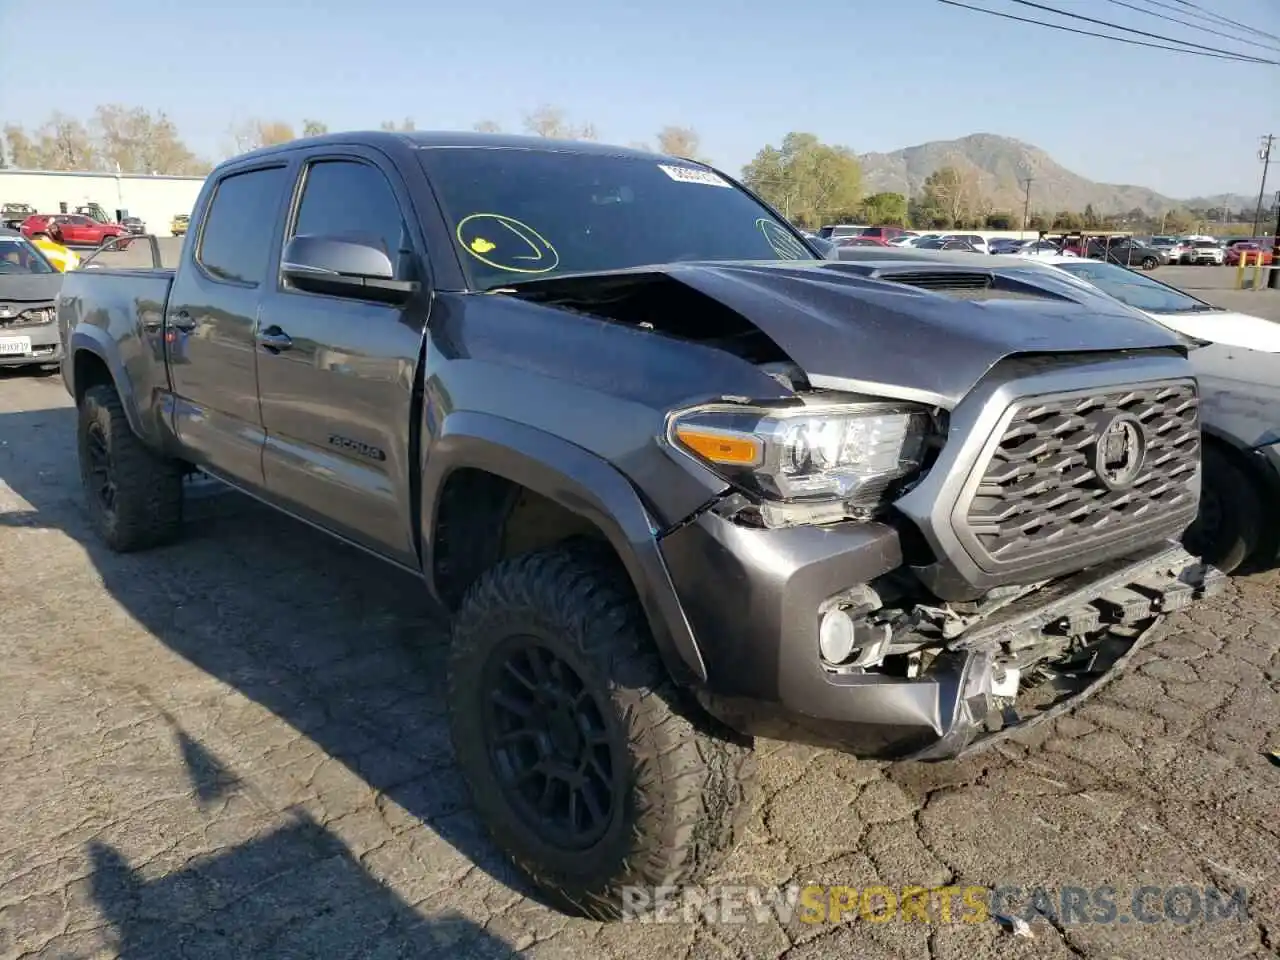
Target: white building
<point>155,199</point>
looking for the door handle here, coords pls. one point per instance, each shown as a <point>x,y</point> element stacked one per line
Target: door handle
<point>274,339</point>
<point>182,321</point>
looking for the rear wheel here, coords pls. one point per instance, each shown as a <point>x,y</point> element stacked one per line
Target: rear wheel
<point>1150,263</point>
<point>1228,528</point>
<point>134,496</point>
<point>581,762</point>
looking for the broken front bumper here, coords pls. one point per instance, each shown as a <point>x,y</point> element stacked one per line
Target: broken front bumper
<point>751,598</point>
<point>22,345</point>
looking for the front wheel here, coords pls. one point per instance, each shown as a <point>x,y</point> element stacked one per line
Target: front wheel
<point>1227,530</point>
<point>581,763</point>
<point>134,496</point>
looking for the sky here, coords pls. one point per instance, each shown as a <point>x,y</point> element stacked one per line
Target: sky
<point>873,75</point>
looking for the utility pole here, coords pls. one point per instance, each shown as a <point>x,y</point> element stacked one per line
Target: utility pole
<point>1265,156</point>
<point>1026,205</point>
<point>1273,275</point>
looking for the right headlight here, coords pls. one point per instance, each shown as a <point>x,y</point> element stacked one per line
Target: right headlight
<point>809,464</point>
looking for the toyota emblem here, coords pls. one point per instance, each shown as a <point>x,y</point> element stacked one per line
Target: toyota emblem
<point>1120,452</point>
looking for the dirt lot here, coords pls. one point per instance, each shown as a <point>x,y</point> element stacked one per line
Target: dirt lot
<point>235,747</point>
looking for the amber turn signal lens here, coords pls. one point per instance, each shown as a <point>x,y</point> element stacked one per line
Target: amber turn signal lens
<point>723,448</point>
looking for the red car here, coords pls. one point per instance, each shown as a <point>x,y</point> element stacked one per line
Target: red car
<point>1231,257</point>
<point>72,229</point>
<point>863,241</point>
<point>883,233</point>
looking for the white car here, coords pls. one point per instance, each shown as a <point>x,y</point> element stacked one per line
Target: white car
<point>1203,251</point>
<point>1170,306</point>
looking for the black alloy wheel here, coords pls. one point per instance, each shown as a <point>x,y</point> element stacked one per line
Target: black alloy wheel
<point>99,470</point>
<point>549,743</point>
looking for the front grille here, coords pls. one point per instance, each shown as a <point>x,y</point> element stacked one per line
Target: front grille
<point>1041,491</point>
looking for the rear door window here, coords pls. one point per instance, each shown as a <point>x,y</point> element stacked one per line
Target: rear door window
<point>235,241</point>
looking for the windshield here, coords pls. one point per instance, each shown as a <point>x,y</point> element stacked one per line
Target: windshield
<point>17,255</point>
<point>1134,289</point>
<point>518,214</point>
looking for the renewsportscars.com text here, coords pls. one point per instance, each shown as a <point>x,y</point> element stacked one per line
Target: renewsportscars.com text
<point>818,903</point>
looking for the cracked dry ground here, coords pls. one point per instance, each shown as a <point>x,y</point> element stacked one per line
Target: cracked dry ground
<point>236,747</point>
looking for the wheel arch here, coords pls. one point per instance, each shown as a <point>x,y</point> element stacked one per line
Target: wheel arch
<point>488,466</point>
<point>1256,469</point>
<point>93,362</point>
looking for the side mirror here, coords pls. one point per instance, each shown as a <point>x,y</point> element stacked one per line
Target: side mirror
<point>343,268</point>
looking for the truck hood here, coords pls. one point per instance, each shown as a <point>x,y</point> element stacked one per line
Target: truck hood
<point>29,287</point>
<point>887,335</point>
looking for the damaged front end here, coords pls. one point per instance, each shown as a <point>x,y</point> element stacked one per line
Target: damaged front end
<point>957,516</point>
<point>1022,655</point>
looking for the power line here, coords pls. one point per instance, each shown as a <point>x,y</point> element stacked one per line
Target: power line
<point>1104,36</point>
<point>1195,26</point>
<point>1197,14</point>
<point>1136,32</point>
<point>1219,18</point>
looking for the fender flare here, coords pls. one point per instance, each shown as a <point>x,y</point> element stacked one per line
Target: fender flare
<point>581,482</point>
<point>94,340</point>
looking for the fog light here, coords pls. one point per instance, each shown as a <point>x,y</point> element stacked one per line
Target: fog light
<point>835,636</point>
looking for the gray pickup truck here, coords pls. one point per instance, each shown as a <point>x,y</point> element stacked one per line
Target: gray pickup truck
<point>679,481</point>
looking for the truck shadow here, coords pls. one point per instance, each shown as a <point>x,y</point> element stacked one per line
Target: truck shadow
<point>295,891</point>
<point>344,649</point>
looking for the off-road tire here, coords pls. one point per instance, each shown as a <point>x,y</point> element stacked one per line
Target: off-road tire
<point>147,509</point>
<point>1229,527</point>
<point>685,785</point>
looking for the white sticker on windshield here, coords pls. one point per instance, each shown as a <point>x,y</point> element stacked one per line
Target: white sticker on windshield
<point>693,175</point>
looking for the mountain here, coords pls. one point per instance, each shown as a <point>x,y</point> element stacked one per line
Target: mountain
<point>1001,163</point>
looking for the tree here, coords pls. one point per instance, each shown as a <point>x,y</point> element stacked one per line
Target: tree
<point>1000,221</point>
<point>889,209</point>
<point>1037,221</point>
<point>254,134</point>
<point>132,140</point>
<point>806,179</point>
<point>679,142</point>
<point>953,191</point>
<point>1066,220</point>
<point>551,122</point>
<point>21,150</point>
<point>314,128</point>
<point>487,126</point>
<point>390,125</point>
<point>1177,221</point>
<point>62,143</point>
<point>1090,218</point>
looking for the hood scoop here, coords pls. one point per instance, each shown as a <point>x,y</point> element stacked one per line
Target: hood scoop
<point>941,280</point>
<point>966,284</point>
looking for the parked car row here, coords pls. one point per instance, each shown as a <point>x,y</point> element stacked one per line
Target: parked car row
<point>1145,252</point>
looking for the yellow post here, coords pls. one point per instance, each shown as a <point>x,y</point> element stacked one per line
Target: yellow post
<point>1244,259</point>
<point>1257,272</point>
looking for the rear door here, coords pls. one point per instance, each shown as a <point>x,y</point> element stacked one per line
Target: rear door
<point>337,402</point>
<point>210,321</point>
